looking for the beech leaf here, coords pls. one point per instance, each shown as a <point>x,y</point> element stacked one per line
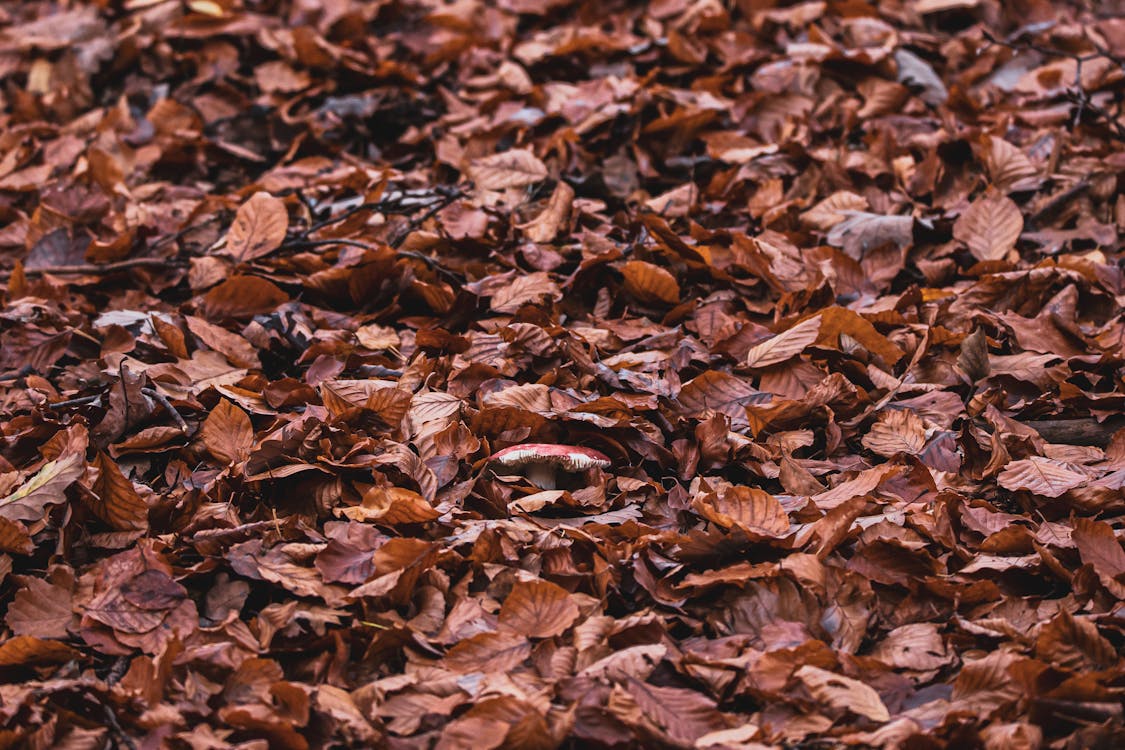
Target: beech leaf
<point>259,228</point>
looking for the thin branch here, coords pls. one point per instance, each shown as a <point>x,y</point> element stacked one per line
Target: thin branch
<point>98,269</point>
<point>368,246</point>
<point>74,401</point>
<point>16,375</point>
<point>1077,94</point>
<point>163,401</point>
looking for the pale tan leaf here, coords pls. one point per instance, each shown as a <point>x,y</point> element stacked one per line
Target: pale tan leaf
<point>833,209</point>
<point>259,228</point>
<point>897,431</point>
<point>227,432</point>
<point>538,609</point>
<point>918,646</point>
<point>914,71</point>
<point>515,168</point>
<point>1006,163</point>
<point>650,283</point>
<point>843,692</point>
<point>785,345</point>
<point>990,227</point>
<point>675,203</point>
<point>1041,476</point>
<point>545,226</point>
<point>47,487</point>
<point>862,231</point>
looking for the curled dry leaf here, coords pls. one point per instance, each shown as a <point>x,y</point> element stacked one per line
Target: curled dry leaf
<point>527,289</point>
<point>1007,164</point>
<point>117,503</point>
<point>259,228</point>
<point>990,227</point>
<point>546,226</point>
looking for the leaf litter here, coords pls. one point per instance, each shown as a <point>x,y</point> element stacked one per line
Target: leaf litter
<point>835,285</point>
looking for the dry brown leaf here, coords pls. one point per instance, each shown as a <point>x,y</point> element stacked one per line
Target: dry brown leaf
<point>753,510</point>
<point>833,209</point>
<point>527,289</point>
<point>785,345</point>
<point>259,228</point>
<point>118,503</point>
<point>843,693</point>
<point>227,433</point>
<point>1041,476</point>
<point>990,227</point>
<point>862,231</point>
<point>538,609</point>
<point>650,284</point>
<point>552,219</point>
<point>46,487</point>
<point>1006,163</point>
<point>897,431</point>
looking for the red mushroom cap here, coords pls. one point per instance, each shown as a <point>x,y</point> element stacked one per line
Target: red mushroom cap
<point>568,457</point>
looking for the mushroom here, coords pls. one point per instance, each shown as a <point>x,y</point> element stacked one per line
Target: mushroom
<point>542,461</point>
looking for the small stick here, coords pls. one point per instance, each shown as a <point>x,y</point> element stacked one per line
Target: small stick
<point>97,269</point>
<point>160,398</point>
<point>74,401</point>
<point>368,246</point>
<point>23,371</point>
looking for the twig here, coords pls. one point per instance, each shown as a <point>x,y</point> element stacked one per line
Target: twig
<point>163,401</point>
<point>368,246</point>
<point>1077,94</point>
<point>115,728</point>
<point>1085,431</point>
<point>416,222</point>
<point>98,269</point>
<point>74,401</point>
<point>23,371</point>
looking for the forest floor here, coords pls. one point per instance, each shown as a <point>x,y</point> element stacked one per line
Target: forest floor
<point>835,286</point>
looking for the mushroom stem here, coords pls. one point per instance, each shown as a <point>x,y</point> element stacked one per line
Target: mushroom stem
<point>542,476</point>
